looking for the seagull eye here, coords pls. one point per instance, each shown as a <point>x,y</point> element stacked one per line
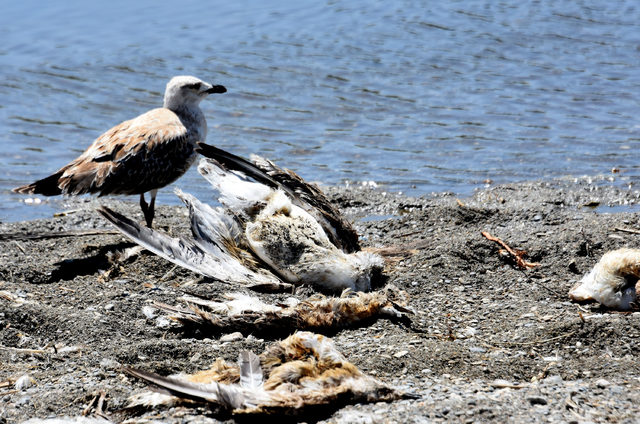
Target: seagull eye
<point>196,86</point>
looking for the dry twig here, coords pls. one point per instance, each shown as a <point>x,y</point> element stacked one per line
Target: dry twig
<point>518,255</point>
<point>627,230</point>
<point>97,403</point>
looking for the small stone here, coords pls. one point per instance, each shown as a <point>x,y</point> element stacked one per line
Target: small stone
<point>602,383</point>
<point>24,400</point>
<point>109,307</point>
<point>232,337</point>
<point>24,382</point>
<point>109,364</point>
<point>401,353</point>
<point>66,350</point>
<point>553,379</point>
<point>163,322</point>
<point>537,400</point>
<point>149,312</point>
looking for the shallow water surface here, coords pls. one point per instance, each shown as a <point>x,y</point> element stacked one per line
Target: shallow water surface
<point>418,98</point>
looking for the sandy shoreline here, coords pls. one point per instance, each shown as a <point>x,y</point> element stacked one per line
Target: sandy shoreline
<point>490,342</point>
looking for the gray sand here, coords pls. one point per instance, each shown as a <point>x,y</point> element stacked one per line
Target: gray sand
<point>489,342</point>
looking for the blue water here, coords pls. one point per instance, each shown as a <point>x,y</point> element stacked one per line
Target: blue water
<point>417,96</point>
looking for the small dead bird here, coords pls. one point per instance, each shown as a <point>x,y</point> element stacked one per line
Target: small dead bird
<point>291,377</point>
<point>140,155</point>
<point>261,237</point>
<point>613,282</point>
<point>241,312</point>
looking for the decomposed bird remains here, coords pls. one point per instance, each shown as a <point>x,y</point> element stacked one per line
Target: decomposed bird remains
<point>613,281</point>
<point>318,313</point>
<point>291,377</point>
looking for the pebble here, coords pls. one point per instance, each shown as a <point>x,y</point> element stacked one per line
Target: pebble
<point>537,400</point>
<point>109,363</point>
<point>401,353</point>
<point>64,350</point>
<point>24,400</point>
<point>602,383</point>
<point>149,311</point>
<point>109,307</point>
<point>24,382</point>
<point>232,337</point>
<point>163,322</point>
<point>553,380</point>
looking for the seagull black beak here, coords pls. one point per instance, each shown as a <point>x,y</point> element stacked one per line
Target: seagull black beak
<point>216,89</point>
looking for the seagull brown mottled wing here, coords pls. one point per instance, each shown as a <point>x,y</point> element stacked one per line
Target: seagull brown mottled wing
<point>147,152</point>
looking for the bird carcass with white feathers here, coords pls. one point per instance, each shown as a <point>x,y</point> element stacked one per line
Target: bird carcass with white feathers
<point>318,313</point>
<point>273,230</point>
<point>613,281</point>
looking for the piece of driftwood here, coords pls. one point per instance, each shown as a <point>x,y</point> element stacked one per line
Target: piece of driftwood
<point>319,313</point>
<point>517,255</point>
<point>303,374</point>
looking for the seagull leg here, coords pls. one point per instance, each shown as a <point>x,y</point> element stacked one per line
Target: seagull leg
<point>152,206</point>
<point>148,208</point>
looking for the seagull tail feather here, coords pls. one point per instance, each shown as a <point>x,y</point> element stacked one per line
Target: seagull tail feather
<point>46,186</point>
<point>175,386</point>
<point>228,396</point>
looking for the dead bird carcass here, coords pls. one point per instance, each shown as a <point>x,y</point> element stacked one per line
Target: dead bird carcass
<point>273,231</point>
<point>295,376</point>
<point>613,281</point>
<point>319,313</point>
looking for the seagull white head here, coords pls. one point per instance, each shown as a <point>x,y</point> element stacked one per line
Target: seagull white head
<point>184,91</point>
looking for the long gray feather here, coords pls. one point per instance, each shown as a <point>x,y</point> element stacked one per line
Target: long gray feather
<point>186,253</point>
<point>229,396</point>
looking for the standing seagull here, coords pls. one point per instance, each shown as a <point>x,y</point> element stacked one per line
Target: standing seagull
<point>140,155</point>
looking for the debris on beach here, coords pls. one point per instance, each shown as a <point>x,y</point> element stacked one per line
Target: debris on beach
<point>295,376</point>
<point>515,255</point>
<point>244,313</point>
<point>613,281</point>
